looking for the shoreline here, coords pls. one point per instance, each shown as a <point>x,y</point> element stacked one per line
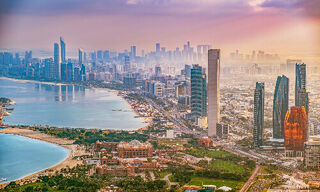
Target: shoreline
<point>73,150</point>
<point>147,120</point>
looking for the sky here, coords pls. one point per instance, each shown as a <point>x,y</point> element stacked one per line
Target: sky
<point>290,28</point>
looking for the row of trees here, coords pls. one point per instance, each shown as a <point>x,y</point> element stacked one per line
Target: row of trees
<point>87,137</point>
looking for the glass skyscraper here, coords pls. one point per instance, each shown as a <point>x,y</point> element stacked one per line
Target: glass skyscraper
<point>57,61</point>
<point>198,92</point>
<point>258,114</point>
<point>280,106</point>
<point>63,50</point>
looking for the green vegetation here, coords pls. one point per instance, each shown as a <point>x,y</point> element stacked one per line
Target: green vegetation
<point>84,136</point>
<point>211,154</point>
<point>4,100</point>
<point>227,166</point>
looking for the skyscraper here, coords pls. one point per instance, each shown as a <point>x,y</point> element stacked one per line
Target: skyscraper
<point>301,94</point>
<point>133,51</point>
<point>81,55</point>
<point>70,71</point>
<point>126,67</point>
<point>213,91</point>
<point>63,50</point>
<point>157,48</point>
<point>57,61</point>
<point>300,80</point>
<point>198,92</point>
<point>280,106</point>
<point>258,117</point>
<point>295,131</point>
<point>63,71</point>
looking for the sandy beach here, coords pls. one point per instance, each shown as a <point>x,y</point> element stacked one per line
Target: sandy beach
<point>74,150</point>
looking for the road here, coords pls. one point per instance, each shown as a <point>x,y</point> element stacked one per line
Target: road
<point>246,186</point>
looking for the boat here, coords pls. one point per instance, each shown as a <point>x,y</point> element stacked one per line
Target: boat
<point>3,179</point>
<point>9,109</point>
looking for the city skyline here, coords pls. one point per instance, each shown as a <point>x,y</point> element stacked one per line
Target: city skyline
<point>240,24</point>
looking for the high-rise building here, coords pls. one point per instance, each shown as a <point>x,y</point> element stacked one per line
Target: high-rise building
<point>126,67</point>
<point>63,50</point>
<point>198,92</point>
<point>213,91</point>
<point>157,48</point>
<point>69,71</point>
<point>57,61</point>
<point>295,131</point>
<point>63,71</point>
<point>157,71</point>
<point>280,106</point>
<point>81,55</point>
<point>301,94</point>
<point>258,117</point>
<point>300,80</point>
<point>133,52</point>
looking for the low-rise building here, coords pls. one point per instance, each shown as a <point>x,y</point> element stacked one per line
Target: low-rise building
<point>134,149</point>
<point>312,154</point>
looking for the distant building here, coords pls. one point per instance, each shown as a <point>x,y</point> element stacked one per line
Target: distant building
<point>312,153</point>
<point>295,132</point>
<point>63,71</point>
<point>213,91</point>
<point>57,61</point>
<point>291,63</point>
<point>69,71</point>
<point>126,66</point>
<point>63,50</point>
<point>280,106</point>
<point>258,119</point>
<point>134,149</point>
<point>80,56</point>
<point>198,92</point>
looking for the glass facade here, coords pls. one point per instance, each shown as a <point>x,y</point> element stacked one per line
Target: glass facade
<point>258,114</point>
<point>198,92</point>
<point>280,106</point>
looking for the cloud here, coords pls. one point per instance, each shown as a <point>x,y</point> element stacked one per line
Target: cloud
<point>307,7</point>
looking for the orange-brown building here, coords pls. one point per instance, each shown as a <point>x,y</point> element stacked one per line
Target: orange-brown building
<point>106,145</point>
<point>295,131</point>
<point>134,149</point>
<point>208,142</point>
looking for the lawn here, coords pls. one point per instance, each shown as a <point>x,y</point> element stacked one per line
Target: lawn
<point>211,154</point>
<point>227,166</point>
<point>217,182</point>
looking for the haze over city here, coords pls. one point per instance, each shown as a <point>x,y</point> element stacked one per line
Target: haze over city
<point>289,28</point>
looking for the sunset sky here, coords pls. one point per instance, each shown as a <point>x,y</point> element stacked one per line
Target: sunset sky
<point>288,27</point>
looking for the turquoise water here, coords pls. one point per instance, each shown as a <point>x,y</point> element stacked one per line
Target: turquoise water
<point>21,156</point>
<point>67,106</point>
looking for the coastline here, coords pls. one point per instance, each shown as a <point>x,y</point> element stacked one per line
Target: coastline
<point>73,150</point>
<point>147,120</point>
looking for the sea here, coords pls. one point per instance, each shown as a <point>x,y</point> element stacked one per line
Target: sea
<point>22,156</point>
<point>59,105</point>
<point>67,106</point>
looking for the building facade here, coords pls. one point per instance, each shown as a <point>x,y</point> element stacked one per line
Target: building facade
<point>213,91</point>
<point>63,50</point>
<point>295,131</point>
<point>312,154</point>
<point>258,114</point>
<point>280,106</point>
<point>134,149</point>
<point>57,61</point>
<point>198,92</point>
